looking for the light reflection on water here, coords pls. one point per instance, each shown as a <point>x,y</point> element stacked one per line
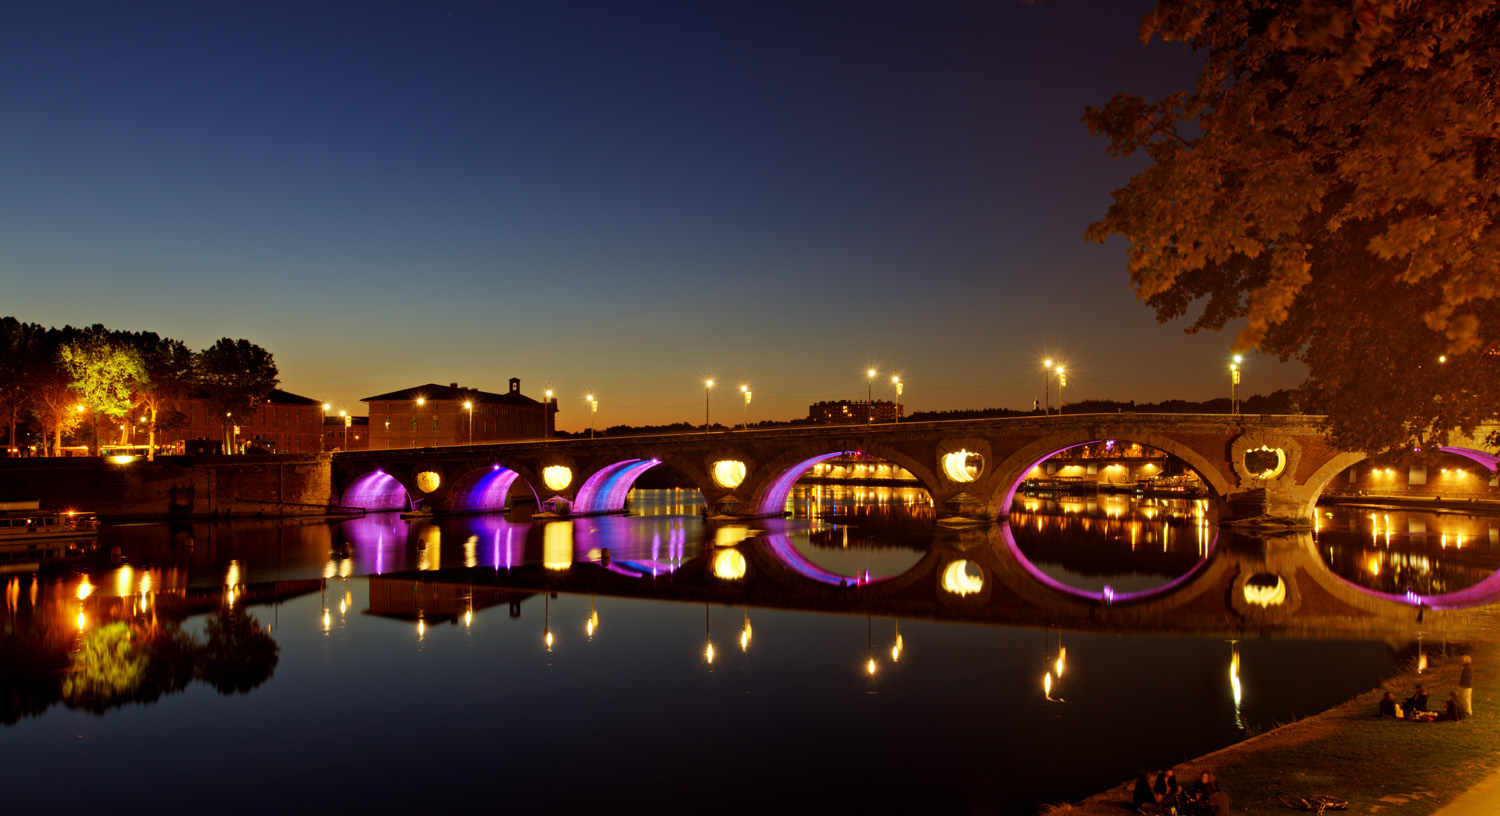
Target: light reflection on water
<point>541,701</point>
<point>1397,551</point>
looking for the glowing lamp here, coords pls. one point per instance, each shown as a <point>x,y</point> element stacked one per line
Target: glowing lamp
<point>729,473</point>
<point>557,477</point>
<point>956,466</point>
<point>427,481</point>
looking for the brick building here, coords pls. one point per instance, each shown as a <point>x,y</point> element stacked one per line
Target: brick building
<point>853,411</point>
<point>341,433</point>
<point>283,423</point>
<point>432,415</point>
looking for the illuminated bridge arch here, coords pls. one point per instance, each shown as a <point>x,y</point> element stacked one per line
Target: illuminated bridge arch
<point>376,491</point>
<point>485,490</point>
<point>605,491</point>
<point>1012,471</point>
<point>769,499</point>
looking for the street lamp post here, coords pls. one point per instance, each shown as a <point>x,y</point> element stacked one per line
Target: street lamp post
<point>347,420</point>
<point>469,406</point>
<point>547,414</point>
<point>870,397</point>
<point>745,418</point>
<point>707,387</point>
<point>1062,381</point>
<point>1234,385</point>
<point>323,430</point>
<point>593,409</point>
<point>896,380</point>
<point>417,442</point>
<point>1047,388</point>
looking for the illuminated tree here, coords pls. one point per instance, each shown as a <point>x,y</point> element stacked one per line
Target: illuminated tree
<point>105,372</point>
<point>1334,180</point>
<point>237,376</point>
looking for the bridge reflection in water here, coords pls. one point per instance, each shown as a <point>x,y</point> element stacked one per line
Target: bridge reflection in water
<point>1182,575</point>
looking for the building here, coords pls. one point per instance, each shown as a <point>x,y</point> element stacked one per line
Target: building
<point>432,415</point>
<point>854,411</point>
<point>283,423</point>
<point>346,433</point>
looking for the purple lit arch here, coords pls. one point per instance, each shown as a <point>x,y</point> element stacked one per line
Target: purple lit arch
<point>605,491</point>
<point>376,492</point>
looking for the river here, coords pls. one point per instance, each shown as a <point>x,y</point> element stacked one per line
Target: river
<point>255,667</point>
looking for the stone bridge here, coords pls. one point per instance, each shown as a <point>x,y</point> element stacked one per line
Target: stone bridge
<point>1252,464</point>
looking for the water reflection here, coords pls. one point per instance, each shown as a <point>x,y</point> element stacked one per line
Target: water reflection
<point>1112,544</point>
<point>345,600</point>
<point>1412,553</point>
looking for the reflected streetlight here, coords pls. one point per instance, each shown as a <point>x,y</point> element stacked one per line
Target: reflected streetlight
<point>593,621</point>
<point>869,646</point>
<point>469,406</point>
<point>547,618</point>
<point>708,651</point>
<point>745,633</point>
<point>708,386</point>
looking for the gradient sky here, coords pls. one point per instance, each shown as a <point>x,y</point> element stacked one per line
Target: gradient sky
<point>605,196</point>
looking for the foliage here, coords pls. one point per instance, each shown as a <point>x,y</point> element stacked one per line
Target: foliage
<point>105,371</point>
<point>236,375</point>
<point>1332,179</point>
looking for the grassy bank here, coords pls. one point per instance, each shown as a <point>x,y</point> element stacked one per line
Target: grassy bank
<point>1379,765</point>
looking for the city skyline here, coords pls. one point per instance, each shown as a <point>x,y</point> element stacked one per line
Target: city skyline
<point>602,200</point>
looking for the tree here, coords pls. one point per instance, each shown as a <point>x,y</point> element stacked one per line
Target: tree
<point>23,351</point>
<point>169,376</point>
<point>236,376</point>
<point>1334,179</point>
<point>105,373</point>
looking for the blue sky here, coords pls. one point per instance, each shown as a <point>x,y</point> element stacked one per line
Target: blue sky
<point>623,198</point>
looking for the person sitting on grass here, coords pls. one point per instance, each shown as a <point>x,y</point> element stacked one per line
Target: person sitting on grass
<point>1417,701</point>
<point>1144,799</point>
<point>1388,705</point>
<point>1455,710</point>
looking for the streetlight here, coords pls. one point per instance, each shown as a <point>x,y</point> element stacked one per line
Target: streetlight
<point>1047,388</point>
<point>707,387</point>
<point>745,418</point>
<point>1062,381</point>
<point>870,397</point>
<point>348,420</point>
<point>323,430</point>
<point>1234,385</point>
<point>593,409</point>
<point>469,406</point>
<point>547,414</point>
<point>899,386</point>
<point>417,443</point>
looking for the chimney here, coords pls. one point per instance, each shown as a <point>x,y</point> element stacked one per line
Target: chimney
<point>452,385</point>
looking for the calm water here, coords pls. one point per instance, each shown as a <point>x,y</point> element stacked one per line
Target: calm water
<point>320,686</point>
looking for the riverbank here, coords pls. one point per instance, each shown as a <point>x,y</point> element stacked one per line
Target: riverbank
<point>1379,765</point>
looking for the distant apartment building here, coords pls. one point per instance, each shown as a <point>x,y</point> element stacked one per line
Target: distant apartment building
<point>283,423</point>
<point>432,415</point>
<point>849,412</point>
<point>346,433</point>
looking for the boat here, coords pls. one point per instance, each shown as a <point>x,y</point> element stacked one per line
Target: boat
<point>30,535</point>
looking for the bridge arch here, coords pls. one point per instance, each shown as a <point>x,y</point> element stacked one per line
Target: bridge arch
<point>604,490</point>
<point>377,491</point>
<point>484,490</point>
<point>776,477</point>
<point>1012,470</point>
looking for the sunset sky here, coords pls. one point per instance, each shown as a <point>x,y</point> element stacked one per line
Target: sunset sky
<point>621,198</point>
